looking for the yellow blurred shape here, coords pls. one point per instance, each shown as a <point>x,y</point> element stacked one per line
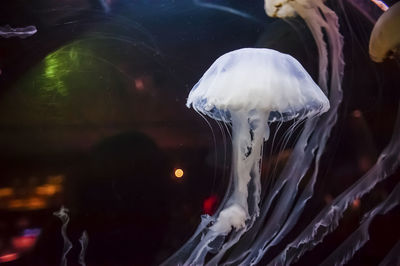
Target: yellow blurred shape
<point>47,189</point>
<point>5,192</point>
<point>178,173</point>
<point>35,203</point>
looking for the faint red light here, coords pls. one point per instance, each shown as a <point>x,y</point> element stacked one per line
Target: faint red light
<point>139,84</point>
<point>356,203</point>
<point>210,204</point>
<point>8,257</point>
<point>357,114</point>
<point>24,243</point>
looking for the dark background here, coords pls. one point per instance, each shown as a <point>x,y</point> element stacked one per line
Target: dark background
<point>93,117</point>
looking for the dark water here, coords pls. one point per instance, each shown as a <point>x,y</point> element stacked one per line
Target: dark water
<point>93,118</point>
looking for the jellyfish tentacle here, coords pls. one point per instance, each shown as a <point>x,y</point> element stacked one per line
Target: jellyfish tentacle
<point>328,219</point>
<point>7,31</point>
<point>84,241</point>
<point>248,137</point>
<point>314,21</point>
<point>257,125</point>
<point>241,153</point>
<point>62,214</point>
<point>358,238</point>
<point>284,192</point>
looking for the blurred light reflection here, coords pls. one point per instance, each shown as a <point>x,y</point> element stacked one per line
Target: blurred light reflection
<point>6,192</point>
<point>8,257</point>
<point>32,196</point>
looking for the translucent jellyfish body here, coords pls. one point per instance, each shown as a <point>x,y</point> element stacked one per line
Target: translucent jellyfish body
<point>250,88</point>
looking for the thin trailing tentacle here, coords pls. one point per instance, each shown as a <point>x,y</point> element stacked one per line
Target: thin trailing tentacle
<point>62,214</point>
<point>84,241</point>
<point>358,238</point>
<point>328,219</point>
<point>8,32</point>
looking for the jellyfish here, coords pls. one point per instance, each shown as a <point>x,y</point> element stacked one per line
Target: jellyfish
<point>249,88</point>
<point>7,31</point>
<point>385,38</point>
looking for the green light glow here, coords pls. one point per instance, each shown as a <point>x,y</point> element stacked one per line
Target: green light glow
<point>79,83</point>
<point>57,67</point>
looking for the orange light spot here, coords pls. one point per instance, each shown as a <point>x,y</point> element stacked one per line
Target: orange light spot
<point>178,173</point>
<point>139,84</point>
<point>5,192</point>
<point>356,203</point>
<point>356,113</point>
<point>47,190</point>
<point>35,203</point>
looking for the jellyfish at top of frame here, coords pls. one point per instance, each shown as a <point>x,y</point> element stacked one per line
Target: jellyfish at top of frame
<point>385,38</point>
<point>251,88</point>
<point>317,16</point>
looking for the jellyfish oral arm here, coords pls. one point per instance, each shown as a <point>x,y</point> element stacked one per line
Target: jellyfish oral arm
<point>248,135</point>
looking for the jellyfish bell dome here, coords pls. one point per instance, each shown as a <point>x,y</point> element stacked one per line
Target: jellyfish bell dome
<point>257,80</point>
